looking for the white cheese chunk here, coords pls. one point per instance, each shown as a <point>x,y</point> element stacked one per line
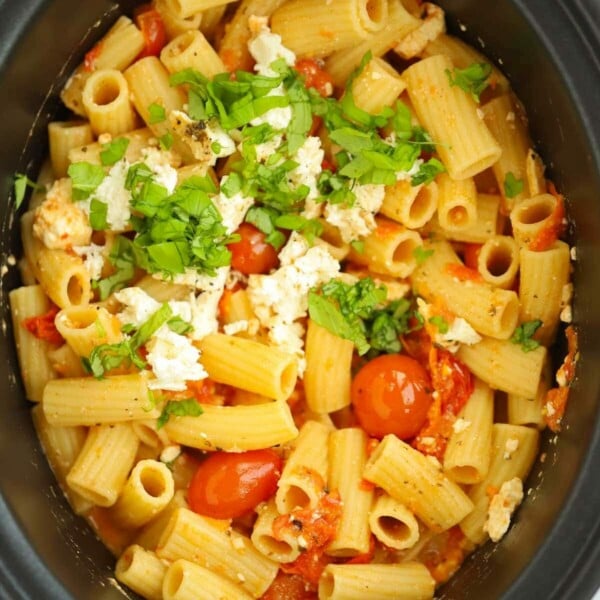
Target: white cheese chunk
<point>502,506</point>
<point>93,259</point>
<point>174,360</point>
<point>265,48</point>
<point>112,192</point>
<point>232,210</point>
<point>159,163</point>
<point>281,298</point>
<point>60,223</point>
<point>358,220</point>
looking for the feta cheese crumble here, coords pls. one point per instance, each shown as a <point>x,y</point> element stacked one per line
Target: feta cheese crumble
<point>281,298</point>
<point>501,508</point>
<point>358,220</point>
<point>60,223</point>
<point>94,259</point>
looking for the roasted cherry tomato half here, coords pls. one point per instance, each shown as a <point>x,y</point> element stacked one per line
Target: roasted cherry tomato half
<point>230,484</point>
<point>153,29</point>
<point>392,394</point>
<point>315,76</point>
<point>252,254</point>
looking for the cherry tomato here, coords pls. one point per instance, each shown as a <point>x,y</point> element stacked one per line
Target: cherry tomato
<point>252,255</point>
<point>153,29</point>
<point>228,485</point>
<point>315,76</point>
<point>392,394</point>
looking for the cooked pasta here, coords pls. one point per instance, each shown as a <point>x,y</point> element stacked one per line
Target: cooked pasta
<point>271,289</point>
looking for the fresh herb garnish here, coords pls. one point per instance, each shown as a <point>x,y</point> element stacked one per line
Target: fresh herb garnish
<point>114,151</point>
<point>85,179</point>
<point>428,172</point>
<point>22,182</point>
<point>105,357</point>
<point>473,79</point>
<point>353,312</point>
<point>156,114</point>
<point>98,215</point>
<point>421,254</point>
<point>524,333</point>
<point>166,141</point>
<point>440,323</point>
<point>512,186</point>
<point>179,408</point>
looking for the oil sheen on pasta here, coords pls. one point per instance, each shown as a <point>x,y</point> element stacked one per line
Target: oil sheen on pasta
<point>282,262</point>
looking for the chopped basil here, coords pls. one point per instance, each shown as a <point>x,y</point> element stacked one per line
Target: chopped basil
<point>421,254</point>
<point>428,172</point>
<point>166,141</point>
<point>440,323</point>
<point>98,215</point>
<point>179,408</point>
<point>22,182</point>
<point>114,151</point>
<point>524,333</point>
<point>473,79</point>
<point>512,186</point>
<point>85,179</point>
<point>156,114</point>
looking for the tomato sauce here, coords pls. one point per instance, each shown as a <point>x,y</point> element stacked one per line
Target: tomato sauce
<point>555,227</point>
<point>463,273</point>
<point>43,327</point>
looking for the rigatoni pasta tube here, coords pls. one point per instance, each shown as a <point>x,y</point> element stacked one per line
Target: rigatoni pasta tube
<point>175,25</point>
<point>284,547</point>
<point>106,102</point>
<point>249,365</point>
<point>235,428</point>
<point>62,446</point>
<point>504,365</point>
<point>514,449</point>
<point>505,123</point>
<point>186,8</point>
<point>36,369</point>
<point>148,490</point>
<point>489,310</point>
<point>304,476</point>
<point>150,534</point>
<point>532,216</point>
<point>63,136</point>
<point>488,222</point>
<point>314,28</point>
<point>100,471</point>
<point>148,81</point>
<point>399,23</point>
<point>406,581</point>
<point>389,249</point>
<point>62,275</point>
<point>184,579</point>
<point>210,543</point>
<point>543,276</point>
<point>530,411</point>
<point>347,458</point>
<point>449,114</point>
<point>498,261</point>
<point>89,401</point>
<point>393,524</point>
<point>411,205</point>
<point>142,571</point>
<point>467,455</point>
<point>411,478</point>
<point>191,50</point>
<point>328,363</point>
<point>377,86</point>
<point>88,326</point>
<point>116,50</point>
<point>457,203</point>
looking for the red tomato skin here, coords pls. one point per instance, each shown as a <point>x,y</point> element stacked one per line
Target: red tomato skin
<point>392,394</point>
<point>314,76</point>
<point>228,485</point>
<point>252,255</point>
<point>152,27</point>
<point>471,255</point>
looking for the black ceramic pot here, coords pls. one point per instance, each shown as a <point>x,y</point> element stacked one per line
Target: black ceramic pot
<point>550,50</point>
